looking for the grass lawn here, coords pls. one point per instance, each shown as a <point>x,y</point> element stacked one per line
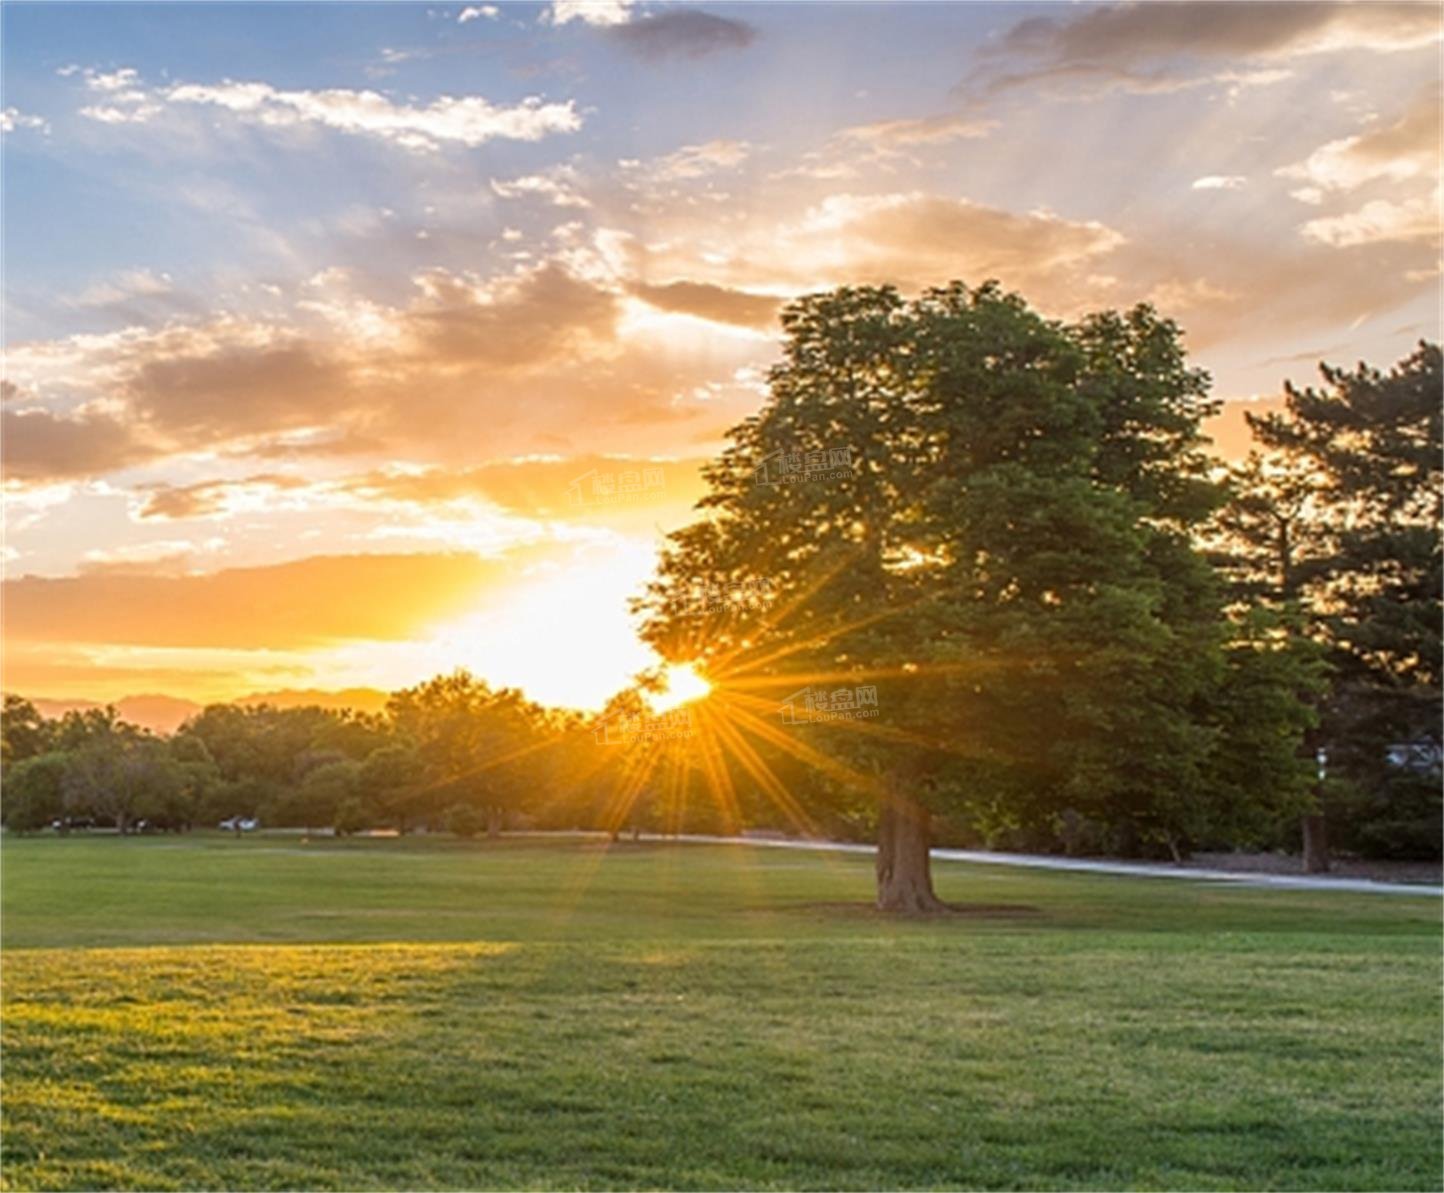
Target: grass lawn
<point>266,1013</point>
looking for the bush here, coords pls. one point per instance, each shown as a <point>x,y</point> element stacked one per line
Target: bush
<point>1401,819</point>
<point>464,821</point>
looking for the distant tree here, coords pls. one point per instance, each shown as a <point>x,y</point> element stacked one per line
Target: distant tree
<point>463,820</point>
<point>476,744</point>
<point>34,792</point>
<point>353,815</point>
<point>24,733</point>
<point>245,797</point>
<point>1338,518</point>
<point>120,774</point>
<point>80,727</point>
<point>323,792</point>
<point>392,779</point>
<point>200,780</point>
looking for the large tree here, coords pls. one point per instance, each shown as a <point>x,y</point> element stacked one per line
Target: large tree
<point>1004,553</point>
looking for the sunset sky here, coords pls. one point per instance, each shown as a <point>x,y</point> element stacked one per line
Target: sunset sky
<point>314,314</point>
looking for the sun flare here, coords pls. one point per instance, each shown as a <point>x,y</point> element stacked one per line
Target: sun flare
<point>681,685</point>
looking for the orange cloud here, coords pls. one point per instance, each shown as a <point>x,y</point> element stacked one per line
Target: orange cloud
<point>305,604</point>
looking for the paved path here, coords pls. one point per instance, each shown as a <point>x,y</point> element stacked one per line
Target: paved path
<point>1293,882</point>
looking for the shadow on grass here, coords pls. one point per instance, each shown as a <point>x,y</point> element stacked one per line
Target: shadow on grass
<point>950,911</point>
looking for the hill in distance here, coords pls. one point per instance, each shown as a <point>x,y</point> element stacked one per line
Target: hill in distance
<point>165,714</point>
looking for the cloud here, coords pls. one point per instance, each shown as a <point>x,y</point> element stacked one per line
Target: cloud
<point>1220,182</point>
<point>213,499</point>
<point>930,130</point>
<point>589,12</point>
<point>1403,152</point>
<point>39,446</point>
<point>465,120</point>
<point>12,119</point>
<point>909,239</point>
<point>121,287</point>
<point>517,322</point>
<point>691,161</point>
<point>1174,296</point>
<point>684,33</point>
<point>522,362</point>
<point>547,488</point>
<point>202,392</point>
<point>124,100</point>
<point>308,603</point>
<point>1406,149</point>
<point>557,187</point>
<point>717,303</point>
<point>1157,47</point>
<point>1379,220</point>
<point>468,120</point>
<point>157,557</point>
<point>474,12</point>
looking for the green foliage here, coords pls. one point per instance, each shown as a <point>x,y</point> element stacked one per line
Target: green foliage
<point>319,797</point>
<point>1338,518</point>
<point>392,778</point>
<point>120,773</point>
<point>475,744</point>
<point>353,815</point>
<point>24,733</point>
<point>1010,559</point>
<point>463,820</point>
<point>34,792</point>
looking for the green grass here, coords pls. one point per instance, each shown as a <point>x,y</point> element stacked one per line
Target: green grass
<point>265,1013</point>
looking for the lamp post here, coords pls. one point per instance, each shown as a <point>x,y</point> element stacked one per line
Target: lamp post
<point>1316,845</point>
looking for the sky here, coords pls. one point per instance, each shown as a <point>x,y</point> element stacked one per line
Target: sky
<point>346,344</point>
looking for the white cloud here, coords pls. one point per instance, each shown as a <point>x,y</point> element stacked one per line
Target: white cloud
<point>692,161</point>
<point>591,12</point>
<point>466,120</point>
<point>1220,182</point>
<point>13,118</point>
<point>1379,221</point>
<point>123,98</point>
<point>1401,153</point>
<point>134,283</point>
<point>471,13</point>
<point>930,130</point>
<point>556,186</point>
<point>1408,148</point>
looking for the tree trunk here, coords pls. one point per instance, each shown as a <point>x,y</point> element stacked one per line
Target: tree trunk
<point>1316,845</point>
<point>493,822</point>
<point>904,866</point>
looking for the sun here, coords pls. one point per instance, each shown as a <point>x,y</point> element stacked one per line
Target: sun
<point>680,685</point>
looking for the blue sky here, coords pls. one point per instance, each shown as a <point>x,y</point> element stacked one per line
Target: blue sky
<point>293,281</point>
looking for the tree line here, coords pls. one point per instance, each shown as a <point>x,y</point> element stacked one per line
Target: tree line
<point>1082,631</point>
<point>452,754</point>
